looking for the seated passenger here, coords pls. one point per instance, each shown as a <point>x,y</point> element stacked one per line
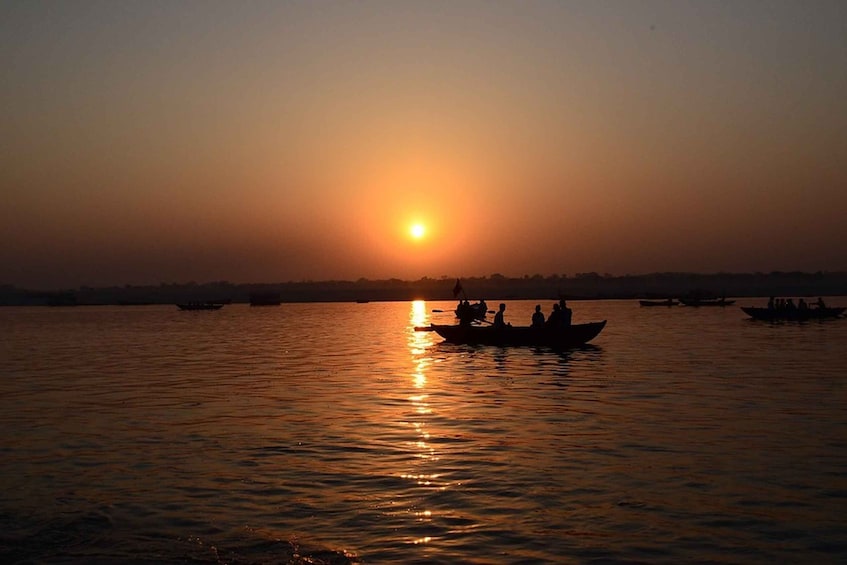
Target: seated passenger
<point>567,313</point>
<point>465,313</point>
<point>554,320</point>
<point>499,322</point>
<point>538,317</point>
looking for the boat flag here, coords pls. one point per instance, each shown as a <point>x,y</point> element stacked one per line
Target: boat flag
<point>457,289</point>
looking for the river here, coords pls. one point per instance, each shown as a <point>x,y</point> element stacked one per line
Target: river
<point>335,433</point>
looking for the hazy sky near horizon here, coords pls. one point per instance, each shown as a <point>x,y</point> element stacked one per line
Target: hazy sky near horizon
<point>148,142</point>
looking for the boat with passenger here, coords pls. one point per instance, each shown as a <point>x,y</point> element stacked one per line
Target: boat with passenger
<point>793,315</point>
<point>559,337</point>
<point>467,311</point>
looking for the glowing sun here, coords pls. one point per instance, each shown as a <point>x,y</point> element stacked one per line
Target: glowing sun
<point>417,231</point>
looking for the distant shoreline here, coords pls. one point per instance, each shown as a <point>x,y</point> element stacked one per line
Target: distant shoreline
<point>582,286</point>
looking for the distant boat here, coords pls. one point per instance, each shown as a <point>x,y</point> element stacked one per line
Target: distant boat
<point>793,315</point>
<point>668,302</point>
<point>558,338</point>
<point>199,306</point>
<point>706,302</point>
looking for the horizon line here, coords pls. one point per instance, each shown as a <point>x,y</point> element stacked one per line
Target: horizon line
<point>492,276</point>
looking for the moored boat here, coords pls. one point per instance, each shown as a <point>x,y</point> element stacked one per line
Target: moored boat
<point>794,314</point>
<point>668,302</point>
<point>200,306</point>
<point>565,337</point>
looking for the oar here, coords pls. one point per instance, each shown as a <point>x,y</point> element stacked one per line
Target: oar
<point>424,329</point>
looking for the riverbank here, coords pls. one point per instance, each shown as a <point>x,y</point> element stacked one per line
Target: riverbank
<point>582,286</point>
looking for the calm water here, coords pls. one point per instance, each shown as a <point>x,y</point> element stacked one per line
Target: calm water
<point>309,432</point>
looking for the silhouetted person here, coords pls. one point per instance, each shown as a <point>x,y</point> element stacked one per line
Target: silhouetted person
<point>538,317</point>
<point>465,313</point>
<point>789,304</point>
<point>801,305</point>
<point>499,322</point>
<point>554,320</point>
<point>567,313</point>
<point>771,303</point>
<point>820,303</point>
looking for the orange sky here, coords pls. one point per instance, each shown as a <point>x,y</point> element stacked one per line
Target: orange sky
<point>267,142</point>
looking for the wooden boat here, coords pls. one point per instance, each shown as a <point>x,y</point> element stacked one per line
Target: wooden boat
<point>571,336</point>
<point>200,306</point>
<point>794,315</point>
<point>706,302</point>
<point>668,302</point>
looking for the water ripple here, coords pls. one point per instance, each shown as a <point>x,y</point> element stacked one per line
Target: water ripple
<point>253,435</point>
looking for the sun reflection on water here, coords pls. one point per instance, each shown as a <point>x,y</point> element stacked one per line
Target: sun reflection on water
<point>422,475</point>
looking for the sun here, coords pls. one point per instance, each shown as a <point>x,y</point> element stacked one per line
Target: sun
<point>417,231</point>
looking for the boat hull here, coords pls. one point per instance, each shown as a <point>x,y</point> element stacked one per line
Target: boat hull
<point>572,336</point>
<point>658,302</point>
<point>778,315</point>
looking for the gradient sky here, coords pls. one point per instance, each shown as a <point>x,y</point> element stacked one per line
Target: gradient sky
<point>146,142</point>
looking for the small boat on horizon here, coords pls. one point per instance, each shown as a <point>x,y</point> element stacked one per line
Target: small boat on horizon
<point>199,306</point>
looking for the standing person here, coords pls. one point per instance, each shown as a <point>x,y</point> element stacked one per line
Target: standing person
<point>538,317</point>
<point>499,322</point>
<point>567,313</point>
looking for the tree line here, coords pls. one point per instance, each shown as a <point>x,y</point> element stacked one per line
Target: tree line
<point>496,286</point>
